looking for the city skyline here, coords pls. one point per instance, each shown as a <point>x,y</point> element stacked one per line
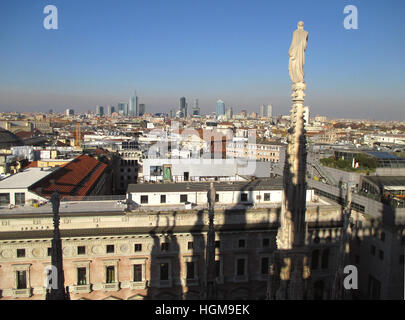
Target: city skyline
<point>79,66</point>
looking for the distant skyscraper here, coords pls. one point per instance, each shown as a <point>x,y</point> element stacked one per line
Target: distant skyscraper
<point>70,112</point>
<point>173,113</point>
<point>142,109</point>
<point>243,113</point>
<point>100,111</point>
<point>269,111</point>
<point>110,110</point>
<point>183,106</point>
<point>122,109</point>
<point>220,108</point>
<point>133,108</point>
<point>262,115</point>
<point>229,113</point>
<point>196,109</point>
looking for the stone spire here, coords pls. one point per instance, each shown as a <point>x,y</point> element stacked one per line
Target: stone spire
<point>337,289</point>
<point>211,293</point>
<point>57,292</point>
<point>290,259</point>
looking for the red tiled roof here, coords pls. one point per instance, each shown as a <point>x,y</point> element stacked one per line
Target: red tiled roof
<point>33,164</point>
<point>61,144</point>
<point>24,134</point>
<point>74,179</point>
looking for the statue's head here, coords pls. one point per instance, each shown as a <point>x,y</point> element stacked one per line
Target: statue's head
<point>301,25</point>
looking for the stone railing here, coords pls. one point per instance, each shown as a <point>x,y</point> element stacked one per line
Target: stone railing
<point>111,286</point>
<point>86,288</point>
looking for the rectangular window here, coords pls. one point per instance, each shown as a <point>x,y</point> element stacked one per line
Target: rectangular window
<point>81,250</point>
<point>381,254</point>
<point>217,197</point>
<point>240,267</point>
<point>164,271</point>
<point>49,252</point>
<point>217,268</point>
<point>164,246</point>
<point>110,274</point>
<point>81,276</point>
<point>244,197</point>
<point>138,247</point>
<point>21,279</point>
<point>315,259</point>
<point>183,198</point>
<point>374,288</point>
<point>241,243</point>
<point>325,259</point>
<point>372,250</point>
<point>19,198</point>
<point>156,171</point>
<point>190,245</point>
<point>20,253</point>
<point>162,198</point>
<point>267,197</point>
<point>4,199</point>
<point>265,265</point>
<point>190,270</point>
<point>217,244</point>
<point>266,242</point>
<point>137,272</point>
<point>110,248</point>
<point>382,236</point>
<point>144,199</point>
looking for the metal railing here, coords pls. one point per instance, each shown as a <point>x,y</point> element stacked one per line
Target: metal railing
<point>318,167</point>
<point>94,198</point>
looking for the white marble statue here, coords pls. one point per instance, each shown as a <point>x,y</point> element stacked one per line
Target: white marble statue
<point>297,54</point>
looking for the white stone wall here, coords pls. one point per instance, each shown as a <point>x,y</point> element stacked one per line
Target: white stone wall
<point>200,197</point>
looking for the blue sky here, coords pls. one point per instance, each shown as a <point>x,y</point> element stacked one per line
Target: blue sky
<point>232,50</point>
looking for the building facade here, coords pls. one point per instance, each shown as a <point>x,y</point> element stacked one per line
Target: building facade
<point>158,252</point>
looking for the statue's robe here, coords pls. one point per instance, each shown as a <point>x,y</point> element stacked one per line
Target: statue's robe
<point>297,55</point>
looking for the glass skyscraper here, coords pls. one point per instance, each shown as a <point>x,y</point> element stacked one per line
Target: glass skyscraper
<point>183,106</point>
<point>122,108</point>
<point>100,111</point>
<point>142,109</point>
<point>220,108</point>
<point>133,108</point>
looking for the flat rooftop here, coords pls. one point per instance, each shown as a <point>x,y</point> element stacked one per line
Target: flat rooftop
<point>257,184</point>
<point>98,207</point>
<point>387,181</point>
<point>25,179</point>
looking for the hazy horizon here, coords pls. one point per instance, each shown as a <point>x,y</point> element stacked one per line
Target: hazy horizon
<point>232,50</point>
